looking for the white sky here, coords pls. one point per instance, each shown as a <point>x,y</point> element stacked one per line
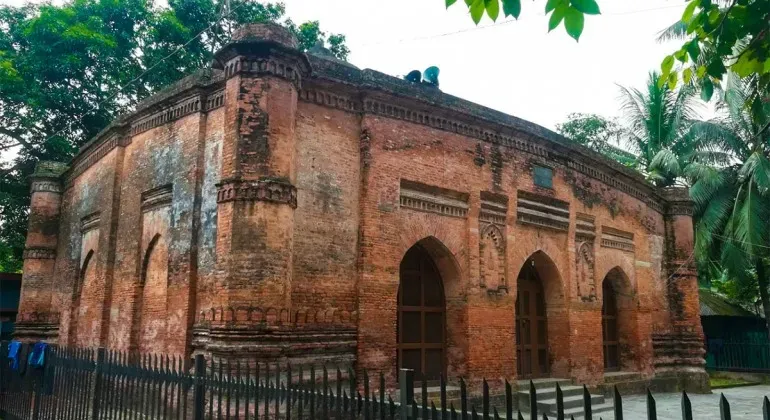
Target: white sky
<point>515,67</point>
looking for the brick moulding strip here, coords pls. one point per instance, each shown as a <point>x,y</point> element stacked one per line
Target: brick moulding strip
<point>140,124</point>
<point>388,110</point>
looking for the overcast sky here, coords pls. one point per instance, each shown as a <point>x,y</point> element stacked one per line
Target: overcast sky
<point>513,66</point>
<point>516,67</point>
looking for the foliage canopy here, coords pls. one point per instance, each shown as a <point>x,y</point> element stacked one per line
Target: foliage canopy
<point>67,70</point>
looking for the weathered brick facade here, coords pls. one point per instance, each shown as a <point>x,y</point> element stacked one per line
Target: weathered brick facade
<point>264,207</point>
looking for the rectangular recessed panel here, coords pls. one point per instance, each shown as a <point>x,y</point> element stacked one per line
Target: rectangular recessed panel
<point>433,363</point>
<point>411,289</point>
<point>526,332</point>
<point>618,239</point>
<point>541,335</point>
<point>542,211</point>
<point>432,292</point>
<point>411,331</point>
<point>412,359</point>
<point>543,176</point>
<point>434,327</point>
<point>526,363</point>
<point>525,302</point>
<point>542,360</point>
<point>427,198</point>
<point>612,330</point>
<point>611,357</point>
<point>540,304</point>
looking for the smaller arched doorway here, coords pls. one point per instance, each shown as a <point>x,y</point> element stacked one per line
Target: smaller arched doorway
<point>421,327</point>
<point>531,324</point>
<point>620,344</point>
<point>610,341</point>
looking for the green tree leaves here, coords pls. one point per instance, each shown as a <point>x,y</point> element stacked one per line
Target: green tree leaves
<point>597,133</point>
<point>731,35</point>
<point>573,22</point>
<point>67,70</point>
<point>589,7</point>
<point>571,12</point>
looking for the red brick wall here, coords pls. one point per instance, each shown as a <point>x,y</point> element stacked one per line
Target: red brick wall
<point>342,245</point>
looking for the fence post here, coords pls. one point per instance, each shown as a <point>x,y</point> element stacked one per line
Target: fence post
<point>406,391</point>
<point>98,385</point>
<point>199,398</point>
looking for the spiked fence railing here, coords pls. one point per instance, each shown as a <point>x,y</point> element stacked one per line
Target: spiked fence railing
<point>100,384</point>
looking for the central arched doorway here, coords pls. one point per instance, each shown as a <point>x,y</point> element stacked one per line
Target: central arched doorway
<point>421,315</point>
<point>531,324</point>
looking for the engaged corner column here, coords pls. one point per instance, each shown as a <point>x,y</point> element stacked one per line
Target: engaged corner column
<point>257,194</point>
<point>681,273</point>
<point>37,318</point>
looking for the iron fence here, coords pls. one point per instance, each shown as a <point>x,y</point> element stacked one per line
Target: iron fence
<point>100,384</point>
<point>738,356</point>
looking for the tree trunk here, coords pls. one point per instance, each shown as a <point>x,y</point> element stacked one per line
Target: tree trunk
<point>763,292</point>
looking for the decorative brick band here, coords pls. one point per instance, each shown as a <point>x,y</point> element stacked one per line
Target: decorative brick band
<point>284,67</point>
<point>156,197</point>
<point>90,222</point>
<point>430,199</point>
<point>94,155</point>
<point>331,100</point>
<point>617,239</point>
<point>680,209</point>
<point>430,119</point>
<point>179,109</point>
<point>271,190</point>
<point>494,208</point>
<point>542,211</point>
<point>585,227</point>
<point>38,317</point>
<point>39,253</point>
<point>252,315</point>
<point>176,111</point>
<point>46,185</point>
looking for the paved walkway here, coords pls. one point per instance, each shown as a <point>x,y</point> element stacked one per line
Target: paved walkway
<point>745,404</point>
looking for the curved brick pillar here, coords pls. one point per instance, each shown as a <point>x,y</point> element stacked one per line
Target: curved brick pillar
<point>679,352</point>
<point>37,320</point>
<point>256,195</point>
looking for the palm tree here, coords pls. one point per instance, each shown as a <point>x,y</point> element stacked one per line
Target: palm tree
<point>657,122</point>
<point>732,199</point>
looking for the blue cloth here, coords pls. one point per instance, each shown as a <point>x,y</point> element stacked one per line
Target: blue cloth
<point>37,356</point>
<point>13,354</point>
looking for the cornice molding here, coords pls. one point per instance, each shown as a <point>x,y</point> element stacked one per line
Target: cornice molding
<point>287,66</point>
<point>38,253</point>
<point>45,184</point>
<point>162,113</point>
<point>270,190</point>
<point>522,142</point>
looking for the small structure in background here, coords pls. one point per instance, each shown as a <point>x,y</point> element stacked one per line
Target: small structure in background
<point>736,339</point>
<point>10,287</point>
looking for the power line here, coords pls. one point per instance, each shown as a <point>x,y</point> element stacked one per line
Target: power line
<point>506,22</point>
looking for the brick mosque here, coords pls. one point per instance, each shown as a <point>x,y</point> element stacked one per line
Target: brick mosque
<point>294,208</point>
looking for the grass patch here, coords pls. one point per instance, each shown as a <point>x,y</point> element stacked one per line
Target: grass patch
<point>723,382</point>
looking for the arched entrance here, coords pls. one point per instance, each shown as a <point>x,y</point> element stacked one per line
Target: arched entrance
<point>610,342</point>
<point>620,344</point>
<point>421,315</point>
<point>531,324</point>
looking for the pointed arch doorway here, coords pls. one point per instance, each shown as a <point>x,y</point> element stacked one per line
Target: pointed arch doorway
<point>421,328</point>
<point>531,324</point>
